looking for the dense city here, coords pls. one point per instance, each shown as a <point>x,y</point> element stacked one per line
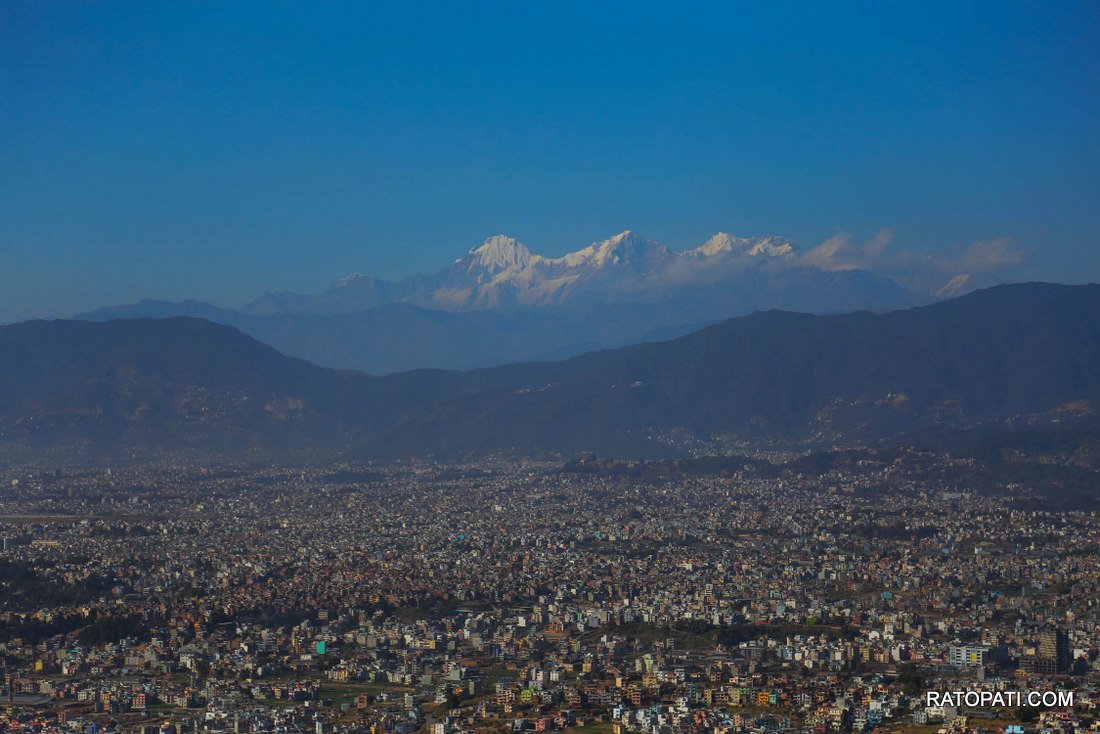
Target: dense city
<point>532,596</point>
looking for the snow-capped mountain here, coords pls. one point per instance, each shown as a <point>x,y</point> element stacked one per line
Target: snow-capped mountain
<point>503,272</point>
<point>497,254</point>
<point>744,247</point>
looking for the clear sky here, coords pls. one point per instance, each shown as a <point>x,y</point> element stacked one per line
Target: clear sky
<point>216,150</point>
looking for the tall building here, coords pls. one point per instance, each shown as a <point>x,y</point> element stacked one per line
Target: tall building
<point>1051,656</point>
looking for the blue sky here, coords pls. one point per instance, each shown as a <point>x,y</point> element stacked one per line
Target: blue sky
<point>217,150</point>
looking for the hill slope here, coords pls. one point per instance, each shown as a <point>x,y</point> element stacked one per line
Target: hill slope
<point>144,385</point>
<point>988,356</point>
<point>134,386</point>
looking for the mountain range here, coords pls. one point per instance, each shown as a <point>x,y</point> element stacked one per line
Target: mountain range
<point>1014,355</point>
<point>504,273</point>
<point>501,303</point>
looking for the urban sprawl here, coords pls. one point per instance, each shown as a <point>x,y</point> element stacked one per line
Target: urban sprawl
<point>512,596</point>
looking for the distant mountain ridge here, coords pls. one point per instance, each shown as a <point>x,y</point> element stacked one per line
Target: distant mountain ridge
<point>1006,356</point>
<point>502,303</point>
<point>503,273</point>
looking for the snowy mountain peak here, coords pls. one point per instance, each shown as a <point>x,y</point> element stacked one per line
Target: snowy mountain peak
<point>500,253</point>
<point>624,248</point>
<point>722,243</point>
<point>621,246</point>
<point>772,247</point>
<point>348,279</point>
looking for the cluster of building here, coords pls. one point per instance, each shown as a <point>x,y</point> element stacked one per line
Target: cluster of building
<point>531,596</point>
